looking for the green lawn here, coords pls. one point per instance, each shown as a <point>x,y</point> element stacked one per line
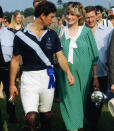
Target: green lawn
<point>106,122</point>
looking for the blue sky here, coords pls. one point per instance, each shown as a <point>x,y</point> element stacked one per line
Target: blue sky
<point>11,5</point>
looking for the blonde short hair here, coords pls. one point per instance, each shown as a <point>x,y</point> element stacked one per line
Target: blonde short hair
<point>77,9</point>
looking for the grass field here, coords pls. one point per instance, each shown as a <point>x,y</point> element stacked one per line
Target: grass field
<point>106,122</point>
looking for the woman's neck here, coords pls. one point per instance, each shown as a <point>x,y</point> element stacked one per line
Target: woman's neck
<point>18,26</point>
<point>73,29</point>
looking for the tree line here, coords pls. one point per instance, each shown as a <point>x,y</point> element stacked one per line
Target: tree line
<point>30,11</point>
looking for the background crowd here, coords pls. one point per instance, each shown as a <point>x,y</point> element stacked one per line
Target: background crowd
<point>82,51</point>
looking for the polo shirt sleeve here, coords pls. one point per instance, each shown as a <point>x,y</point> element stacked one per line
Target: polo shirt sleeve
<point>57,43</point>
<point>17,46</point>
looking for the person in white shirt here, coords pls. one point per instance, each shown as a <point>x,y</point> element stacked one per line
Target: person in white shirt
<point>6,49</point>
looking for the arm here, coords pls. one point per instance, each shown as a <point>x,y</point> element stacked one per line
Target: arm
<point>13,71</point>
<point>95,78</point>
<point>65,67</point>
<point>94,57</point>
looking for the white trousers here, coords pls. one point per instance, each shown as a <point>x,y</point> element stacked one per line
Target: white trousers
<point>35,95</point>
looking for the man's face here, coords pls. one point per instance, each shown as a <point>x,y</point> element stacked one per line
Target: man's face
<point>6,23</point>
<point>90,19</point>
<point>99,15</point>
<point>48,20</point>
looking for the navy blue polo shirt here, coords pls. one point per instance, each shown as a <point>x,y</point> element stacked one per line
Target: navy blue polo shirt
<point>49,43</point>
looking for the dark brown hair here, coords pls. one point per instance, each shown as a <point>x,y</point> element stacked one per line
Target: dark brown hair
<point>45,7</point>
<point>88,9</point>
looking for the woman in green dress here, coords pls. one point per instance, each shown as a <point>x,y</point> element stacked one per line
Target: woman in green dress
<point>79,47</point>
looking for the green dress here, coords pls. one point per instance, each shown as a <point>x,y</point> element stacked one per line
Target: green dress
<point>73,98</point>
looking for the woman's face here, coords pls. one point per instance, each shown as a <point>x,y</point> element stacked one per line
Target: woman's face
<point>18,19</point>
<point>71,18</point>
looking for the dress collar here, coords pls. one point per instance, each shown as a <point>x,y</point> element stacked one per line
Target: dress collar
<point>77,34</point>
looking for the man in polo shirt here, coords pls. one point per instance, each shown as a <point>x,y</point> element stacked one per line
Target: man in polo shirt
<point>36,45</point>
<point>102,36</point>
<point>6,48</point>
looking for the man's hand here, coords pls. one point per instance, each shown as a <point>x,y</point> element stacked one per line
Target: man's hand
<point>112,88</point>
<point>13,92</point>
<point>14,64</point>
<point>95,84</point>
<point>71,79</point>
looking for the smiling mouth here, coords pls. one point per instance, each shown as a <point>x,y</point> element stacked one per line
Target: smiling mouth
<point>90,23</point>
<point>69,20</point>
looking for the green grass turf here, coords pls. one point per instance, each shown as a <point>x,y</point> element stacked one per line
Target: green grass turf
<point>106,122</point>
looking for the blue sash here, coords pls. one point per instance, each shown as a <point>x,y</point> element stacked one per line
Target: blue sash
<point>40,53</point>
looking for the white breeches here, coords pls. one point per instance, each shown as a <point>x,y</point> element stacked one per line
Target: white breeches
<point>35,95</point>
